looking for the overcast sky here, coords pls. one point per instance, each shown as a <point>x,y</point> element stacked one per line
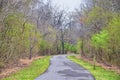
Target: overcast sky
<point>68,4</point>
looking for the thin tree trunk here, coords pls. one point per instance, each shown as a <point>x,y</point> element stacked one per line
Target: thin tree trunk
<point>82,48</point>
<point>62,41</point>
<point>30,56</point>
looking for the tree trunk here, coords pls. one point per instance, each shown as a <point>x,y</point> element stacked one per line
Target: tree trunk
<point>82,48</point>
<point>94,62</point>
<point>30,56</point>
<point>62,42</point>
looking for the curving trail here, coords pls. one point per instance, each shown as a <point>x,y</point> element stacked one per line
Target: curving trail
<point>62,68</point>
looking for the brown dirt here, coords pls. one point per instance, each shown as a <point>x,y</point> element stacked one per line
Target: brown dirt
<point>103,65</point>
<point>14,68</point>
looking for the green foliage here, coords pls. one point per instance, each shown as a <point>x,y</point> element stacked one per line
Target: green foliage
<point>78,46</point>
<point>100,39</point>
<point>16,37</point>
<point>95,15</point>
<point>32,71</point>
<point>105,43</point>
<point>114,28</point>
<point>70,47</point>
<point>102,21</point>
<point>11,36</point>
<point>43,45</point>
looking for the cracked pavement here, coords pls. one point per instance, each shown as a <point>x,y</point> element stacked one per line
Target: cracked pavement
<point>62,68</point>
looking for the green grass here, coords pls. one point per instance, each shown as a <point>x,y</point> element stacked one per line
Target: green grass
<point>31,72</point>
<point>99,73</point>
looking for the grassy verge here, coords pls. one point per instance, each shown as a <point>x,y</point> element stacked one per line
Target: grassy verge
<point>99,73</point>
<point>31,72</point>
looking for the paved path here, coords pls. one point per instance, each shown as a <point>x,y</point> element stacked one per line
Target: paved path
<point>62,68</point>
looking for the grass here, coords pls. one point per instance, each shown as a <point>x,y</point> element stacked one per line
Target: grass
<point>99,73</point>
<point>31,72</point>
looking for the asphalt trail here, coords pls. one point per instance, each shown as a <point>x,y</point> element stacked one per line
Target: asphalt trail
<point>62,68</point>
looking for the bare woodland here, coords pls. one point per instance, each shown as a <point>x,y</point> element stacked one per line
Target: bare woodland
<point>34,27</point>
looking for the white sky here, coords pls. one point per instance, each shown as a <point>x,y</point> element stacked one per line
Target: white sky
<point>68,4</point>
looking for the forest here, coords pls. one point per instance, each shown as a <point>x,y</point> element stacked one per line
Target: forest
<point>36,27</point>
